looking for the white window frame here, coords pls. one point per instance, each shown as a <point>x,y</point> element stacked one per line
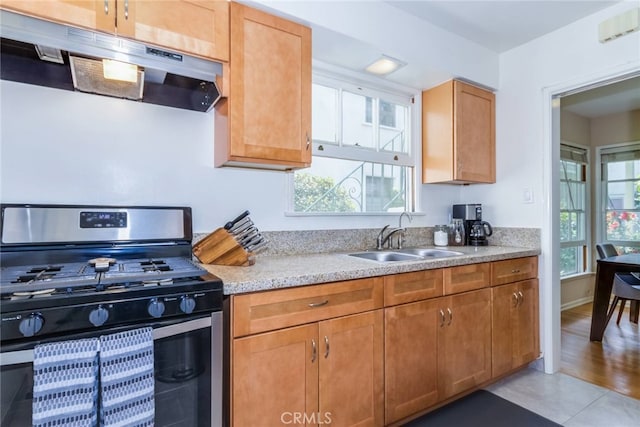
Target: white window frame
<point>390,92</point>
<point>587,242</point>
<point>600,191</point>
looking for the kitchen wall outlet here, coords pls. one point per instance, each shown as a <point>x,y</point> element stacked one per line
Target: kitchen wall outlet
<point>527,195</point>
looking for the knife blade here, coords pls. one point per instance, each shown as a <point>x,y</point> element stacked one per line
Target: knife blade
<point>231,223</point>
<point>254,240</point>
<point>241,226</point>
<point>257,247</point>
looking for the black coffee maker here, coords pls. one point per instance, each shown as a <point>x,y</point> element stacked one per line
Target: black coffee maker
<point>475,229</point>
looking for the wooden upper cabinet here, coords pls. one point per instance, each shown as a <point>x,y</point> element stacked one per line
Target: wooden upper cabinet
<point>197,27</point>
<point>458,134</point>
<point>75,12</point>
<point>265,121</point>
<point>194,26</point>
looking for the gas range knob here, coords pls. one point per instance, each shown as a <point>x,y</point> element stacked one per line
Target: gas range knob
<point>99,316</point>
<point>31,325</point>
<point>155,307</point>
<point>187,304</point>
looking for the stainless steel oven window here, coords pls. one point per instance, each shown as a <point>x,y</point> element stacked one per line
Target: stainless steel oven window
<point>188,378</point>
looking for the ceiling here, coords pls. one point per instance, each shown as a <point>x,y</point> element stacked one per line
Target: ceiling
<point>501,25</point>
<point>496,25</point>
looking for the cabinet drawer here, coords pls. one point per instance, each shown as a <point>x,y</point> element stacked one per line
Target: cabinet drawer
<point>466,278</point>
<point>415,286</point>
<point>513,270</point>
<point>265,311</point>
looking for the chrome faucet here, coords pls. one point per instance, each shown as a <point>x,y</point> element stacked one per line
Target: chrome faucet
<point>408,215</point>
<point>383,240</point>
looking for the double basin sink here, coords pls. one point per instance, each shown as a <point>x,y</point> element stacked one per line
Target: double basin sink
<point>413,254</point>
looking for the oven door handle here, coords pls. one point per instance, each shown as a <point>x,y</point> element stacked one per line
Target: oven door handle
<point>26,356</point>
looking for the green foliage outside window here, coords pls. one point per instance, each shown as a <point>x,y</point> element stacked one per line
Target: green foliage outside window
<point>319,194</point>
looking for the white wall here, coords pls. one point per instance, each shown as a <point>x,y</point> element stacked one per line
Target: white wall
<point>528,139</point>
<point>66,147</point>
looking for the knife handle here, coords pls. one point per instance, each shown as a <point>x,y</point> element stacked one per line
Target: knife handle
<point>230,224</point>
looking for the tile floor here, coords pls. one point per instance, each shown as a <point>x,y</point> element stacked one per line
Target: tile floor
<point>568,400</point>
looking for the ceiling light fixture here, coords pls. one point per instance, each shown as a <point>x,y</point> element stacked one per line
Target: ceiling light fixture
<point>385,65</point>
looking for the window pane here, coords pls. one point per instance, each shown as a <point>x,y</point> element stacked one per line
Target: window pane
<point>355,128</point>
<point>622,200</point>
<point>572,226</point>
<point>570,171</point>
<point>623,225</point>
<point>570,260</point>
<point>572,195</point>
<point>335,185</point>
<point>393,127</point>
<point>325,114</point>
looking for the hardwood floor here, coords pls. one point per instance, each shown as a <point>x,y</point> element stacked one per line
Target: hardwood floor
<point>613,363</point>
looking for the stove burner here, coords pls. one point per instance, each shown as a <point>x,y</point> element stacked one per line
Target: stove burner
<point>154,265</point>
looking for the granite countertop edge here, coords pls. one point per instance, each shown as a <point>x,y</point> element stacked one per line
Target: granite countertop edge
<point>278,272</point>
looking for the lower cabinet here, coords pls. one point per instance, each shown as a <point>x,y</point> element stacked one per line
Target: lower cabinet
<point>375,351</point>
<point>515,339</point>
<point>435,349</point>
<point>327,372</point>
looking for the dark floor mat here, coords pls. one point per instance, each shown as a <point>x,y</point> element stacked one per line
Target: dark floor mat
<point>482,409</point>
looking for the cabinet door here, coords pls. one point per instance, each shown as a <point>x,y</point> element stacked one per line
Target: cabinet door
<point>275,374</point>
<point>474,134</point>
<point>528,343</point>
<point>82,13</point>
<point>411,362</point>
<point>351,370</point>
<point>464,344</point>
<point>267,121</point>
<point>515,339</point>
<point>504,332</point>
<point>194,26</point>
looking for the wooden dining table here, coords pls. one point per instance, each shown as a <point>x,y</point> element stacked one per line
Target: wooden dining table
<point>605,270</point>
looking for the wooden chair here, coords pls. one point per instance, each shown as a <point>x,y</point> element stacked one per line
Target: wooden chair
<point>625,287</point>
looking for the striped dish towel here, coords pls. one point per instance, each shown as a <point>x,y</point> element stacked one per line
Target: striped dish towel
<point>65,383</point>
<point>126,379</point>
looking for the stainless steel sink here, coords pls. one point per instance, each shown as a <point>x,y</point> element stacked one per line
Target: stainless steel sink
<point>387,256</point>
<point>431,253</point>
<point>411,254</point>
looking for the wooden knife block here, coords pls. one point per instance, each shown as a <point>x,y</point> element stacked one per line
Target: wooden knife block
<point>220,247</point>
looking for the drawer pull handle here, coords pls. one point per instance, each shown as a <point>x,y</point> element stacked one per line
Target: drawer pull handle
<point>515,271</point>
<point>318,304</point>
<point>326,347</point>
<point>106,7</point>
<point>450,316</point>
<point>441,318</point>
<point>314,350</point>
<point>126,10</point>
<point>521,297</point>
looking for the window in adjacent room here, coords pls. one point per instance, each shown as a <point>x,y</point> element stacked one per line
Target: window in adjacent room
<point>620,189</point>
<point>574,214</point>
<point>363,159</point>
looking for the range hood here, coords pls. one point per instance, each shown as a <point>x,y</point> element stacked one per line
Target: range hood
<point>44,53</point>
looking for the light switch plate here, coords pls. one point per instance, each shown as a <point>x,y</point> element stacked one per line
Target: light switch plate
<point>527,195</point>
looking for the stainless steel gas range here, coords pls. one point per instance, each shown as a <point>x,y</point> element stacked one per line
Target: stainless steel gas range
<point>70,273</point>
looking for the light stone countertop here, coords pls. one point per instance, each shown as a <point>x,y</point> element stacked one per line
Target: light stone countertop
<point>284,271</point>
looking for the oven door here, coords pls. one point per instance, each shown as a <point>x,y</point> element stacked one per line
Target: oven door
<point>187,369</point>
